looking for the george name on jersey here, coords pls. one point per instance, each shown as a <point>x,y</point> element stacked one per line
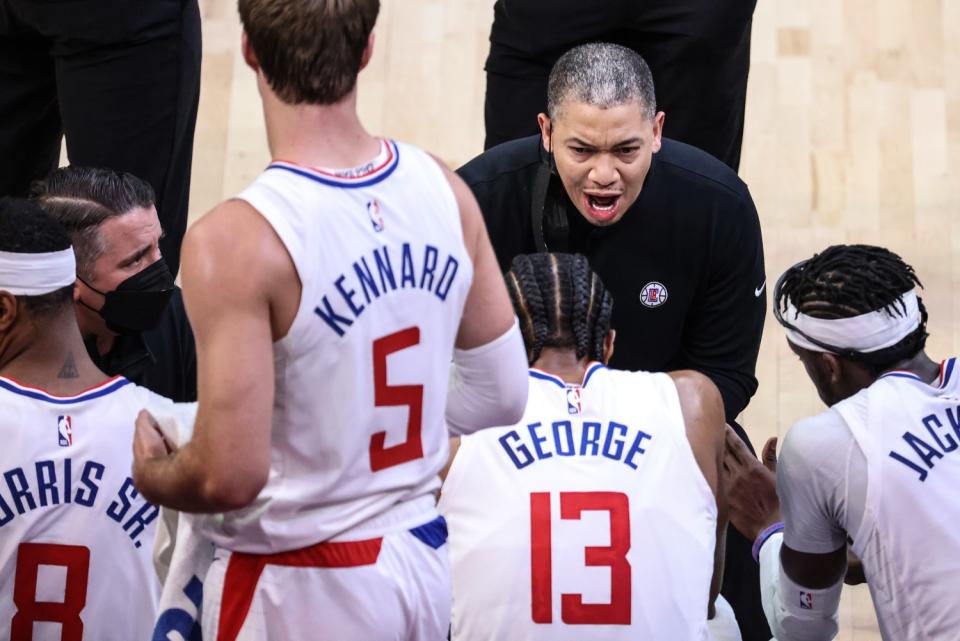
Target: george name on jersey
<point>540,441</point>
<point>384,271</point>
<point>50,483</point>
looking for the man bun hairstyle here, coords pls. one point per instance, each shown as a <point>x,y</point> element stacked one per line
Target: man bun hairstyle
<point>561,302</point>
<point>603,75</point>
<point>27,229</point>
<point>309,50</point>
<point>849,280</point>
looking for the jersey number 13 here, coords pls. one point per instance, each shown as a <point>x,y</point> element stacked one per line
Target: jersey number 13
<point>572,608</point>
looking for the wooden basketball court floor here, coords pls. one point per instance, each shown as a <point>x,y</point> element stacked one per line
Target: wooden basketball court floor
<point>852,135</point>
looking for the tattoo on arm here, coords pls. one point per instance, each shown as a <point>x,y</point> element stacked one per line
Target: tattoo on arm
<point>69,369</point>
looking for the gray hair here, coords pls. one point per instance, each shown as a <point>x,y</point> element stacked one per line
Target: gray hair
<point>83,198</point>
<point>603,75</point>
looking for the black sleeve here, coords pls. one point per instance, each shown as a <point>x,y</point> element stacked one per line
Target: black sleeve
<point>722,335</point>
<point>505,204</point>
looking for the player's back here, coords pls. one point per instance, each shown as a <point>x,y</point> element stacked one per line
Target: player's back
<point>590,519</point>
<point>361,376</point>
<point>909,432</point>
<point>75,536</point>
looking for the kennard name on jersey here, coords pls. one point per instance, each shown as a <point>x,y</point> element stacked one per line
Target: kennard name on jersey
<point>418,270</point>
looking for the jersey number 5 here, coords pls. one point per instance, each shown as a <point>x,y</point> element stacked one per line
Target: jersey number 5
<point>572,608</point>
<point>385,395</point>
<point>30,556</point>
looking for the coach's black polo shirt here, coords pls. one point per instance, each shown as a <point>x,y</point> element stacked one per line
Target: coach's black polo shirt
<point>164,359</point>
<point>684,264</point>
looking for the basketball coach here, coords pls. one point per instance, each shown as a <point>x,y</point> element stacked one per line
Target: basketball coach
<point>672,232</point>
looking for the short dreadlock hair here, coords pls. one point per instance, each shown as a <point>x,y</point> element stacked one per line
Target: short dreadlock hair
<point>27,229</point>
<point>561,302</point>
<point>848,280</point>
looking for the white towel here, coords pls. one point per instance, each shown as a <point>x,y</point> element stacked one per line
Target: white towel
<point>180,555</point>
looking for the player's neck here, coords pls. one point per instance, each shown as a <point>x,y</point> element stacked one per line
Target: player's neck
<point>318,135</point>
<point>921,365</point>
<point>563,363</point>
<point>50,356</point>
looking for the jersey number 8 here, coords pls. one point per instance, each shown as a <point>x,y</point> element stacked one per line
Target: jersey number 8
<point>30,556</point>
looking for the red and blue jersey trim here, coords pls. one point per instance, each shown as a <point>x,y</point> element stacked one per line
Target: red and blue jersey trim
<point>947,368</point>
<point>592,367</point>
<point>107,387</point>
<point>370,177</point>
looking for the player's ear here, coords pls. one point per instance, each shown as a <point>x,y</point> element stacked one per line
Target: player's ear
<point>367,51</point>
<point>8,311</point>
<point>546,130</point>
<point>831,367</point>
<point>608,342</point>
<point>248,55</point>
<point>658,121</point>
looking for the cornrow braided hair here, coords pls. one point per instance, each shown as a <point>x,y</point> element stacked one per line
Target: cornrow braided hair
<point>848,280</point>
<point>561,302</point>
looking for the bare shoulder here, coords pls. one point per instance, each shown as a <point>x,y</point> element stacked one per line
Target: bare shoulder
<point>232,257</point>
<point>470,217</point>
<point>698,394</point>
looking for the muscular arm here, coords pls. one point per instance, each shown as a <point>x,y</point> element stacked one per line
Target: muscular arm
<point>241,291</point>
<point>488,383</point>
<point>801,570</point>
<point>703,416</point>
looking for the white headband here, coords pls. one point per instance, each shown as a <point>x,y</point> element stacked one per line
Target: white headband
<point>866,333</point>
<point>37,274</point>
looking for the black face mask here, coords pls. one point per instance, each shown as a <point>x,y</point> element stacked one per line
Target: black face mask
<point>137,303</point>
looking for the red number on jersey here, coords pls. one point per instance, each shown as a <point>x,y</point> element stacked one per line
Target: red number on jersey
<point>30,556</point>
<point>392,395</point>
<point>572,608</point>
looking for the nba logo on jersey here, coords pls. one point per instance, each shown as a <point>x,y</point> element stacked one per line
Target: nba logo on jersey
<point>806,600</point>
<point>573,400</point>
<point>373,209</point>
<point>64,431</point>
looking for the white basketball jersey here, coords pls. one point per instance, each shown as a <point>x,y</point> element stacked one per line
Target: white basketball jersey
<point>75,536</point>
<point>589,519</point>
<point>909,538</point>
<point>361,377</point>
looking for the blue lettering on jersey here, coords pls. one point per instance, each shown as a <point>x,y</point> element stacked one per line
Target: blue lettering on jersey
<point>19,490</point>
<point>925,452</point>
<point>145,513</point>
<point>45,486</point>
<point>92,473</point>
<point>539,444</point>
<point>340,307</point>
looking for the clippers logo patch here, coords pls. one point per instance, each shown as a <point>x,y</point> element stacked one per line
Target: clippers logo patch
<point>653,294</point>
<point>573,401</point>
<point>806,600</point>
<point>373,210</point>
<point>64,431</point>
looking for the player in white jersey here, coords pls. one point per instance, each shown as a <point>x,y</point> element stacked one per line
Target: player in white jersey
<point>75,536</point>
<point>596,515</point>
<point>876,473</point>
<point>327,304</point>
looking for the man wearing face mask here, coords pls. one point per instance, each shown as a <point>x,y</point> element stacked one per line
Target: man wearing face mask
<point>131,314</point>
<point>671,231</point>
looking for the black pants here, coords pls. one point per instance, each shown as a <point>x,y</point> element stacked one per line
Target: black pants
<point>120,79</point>
<point>698,50</point>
